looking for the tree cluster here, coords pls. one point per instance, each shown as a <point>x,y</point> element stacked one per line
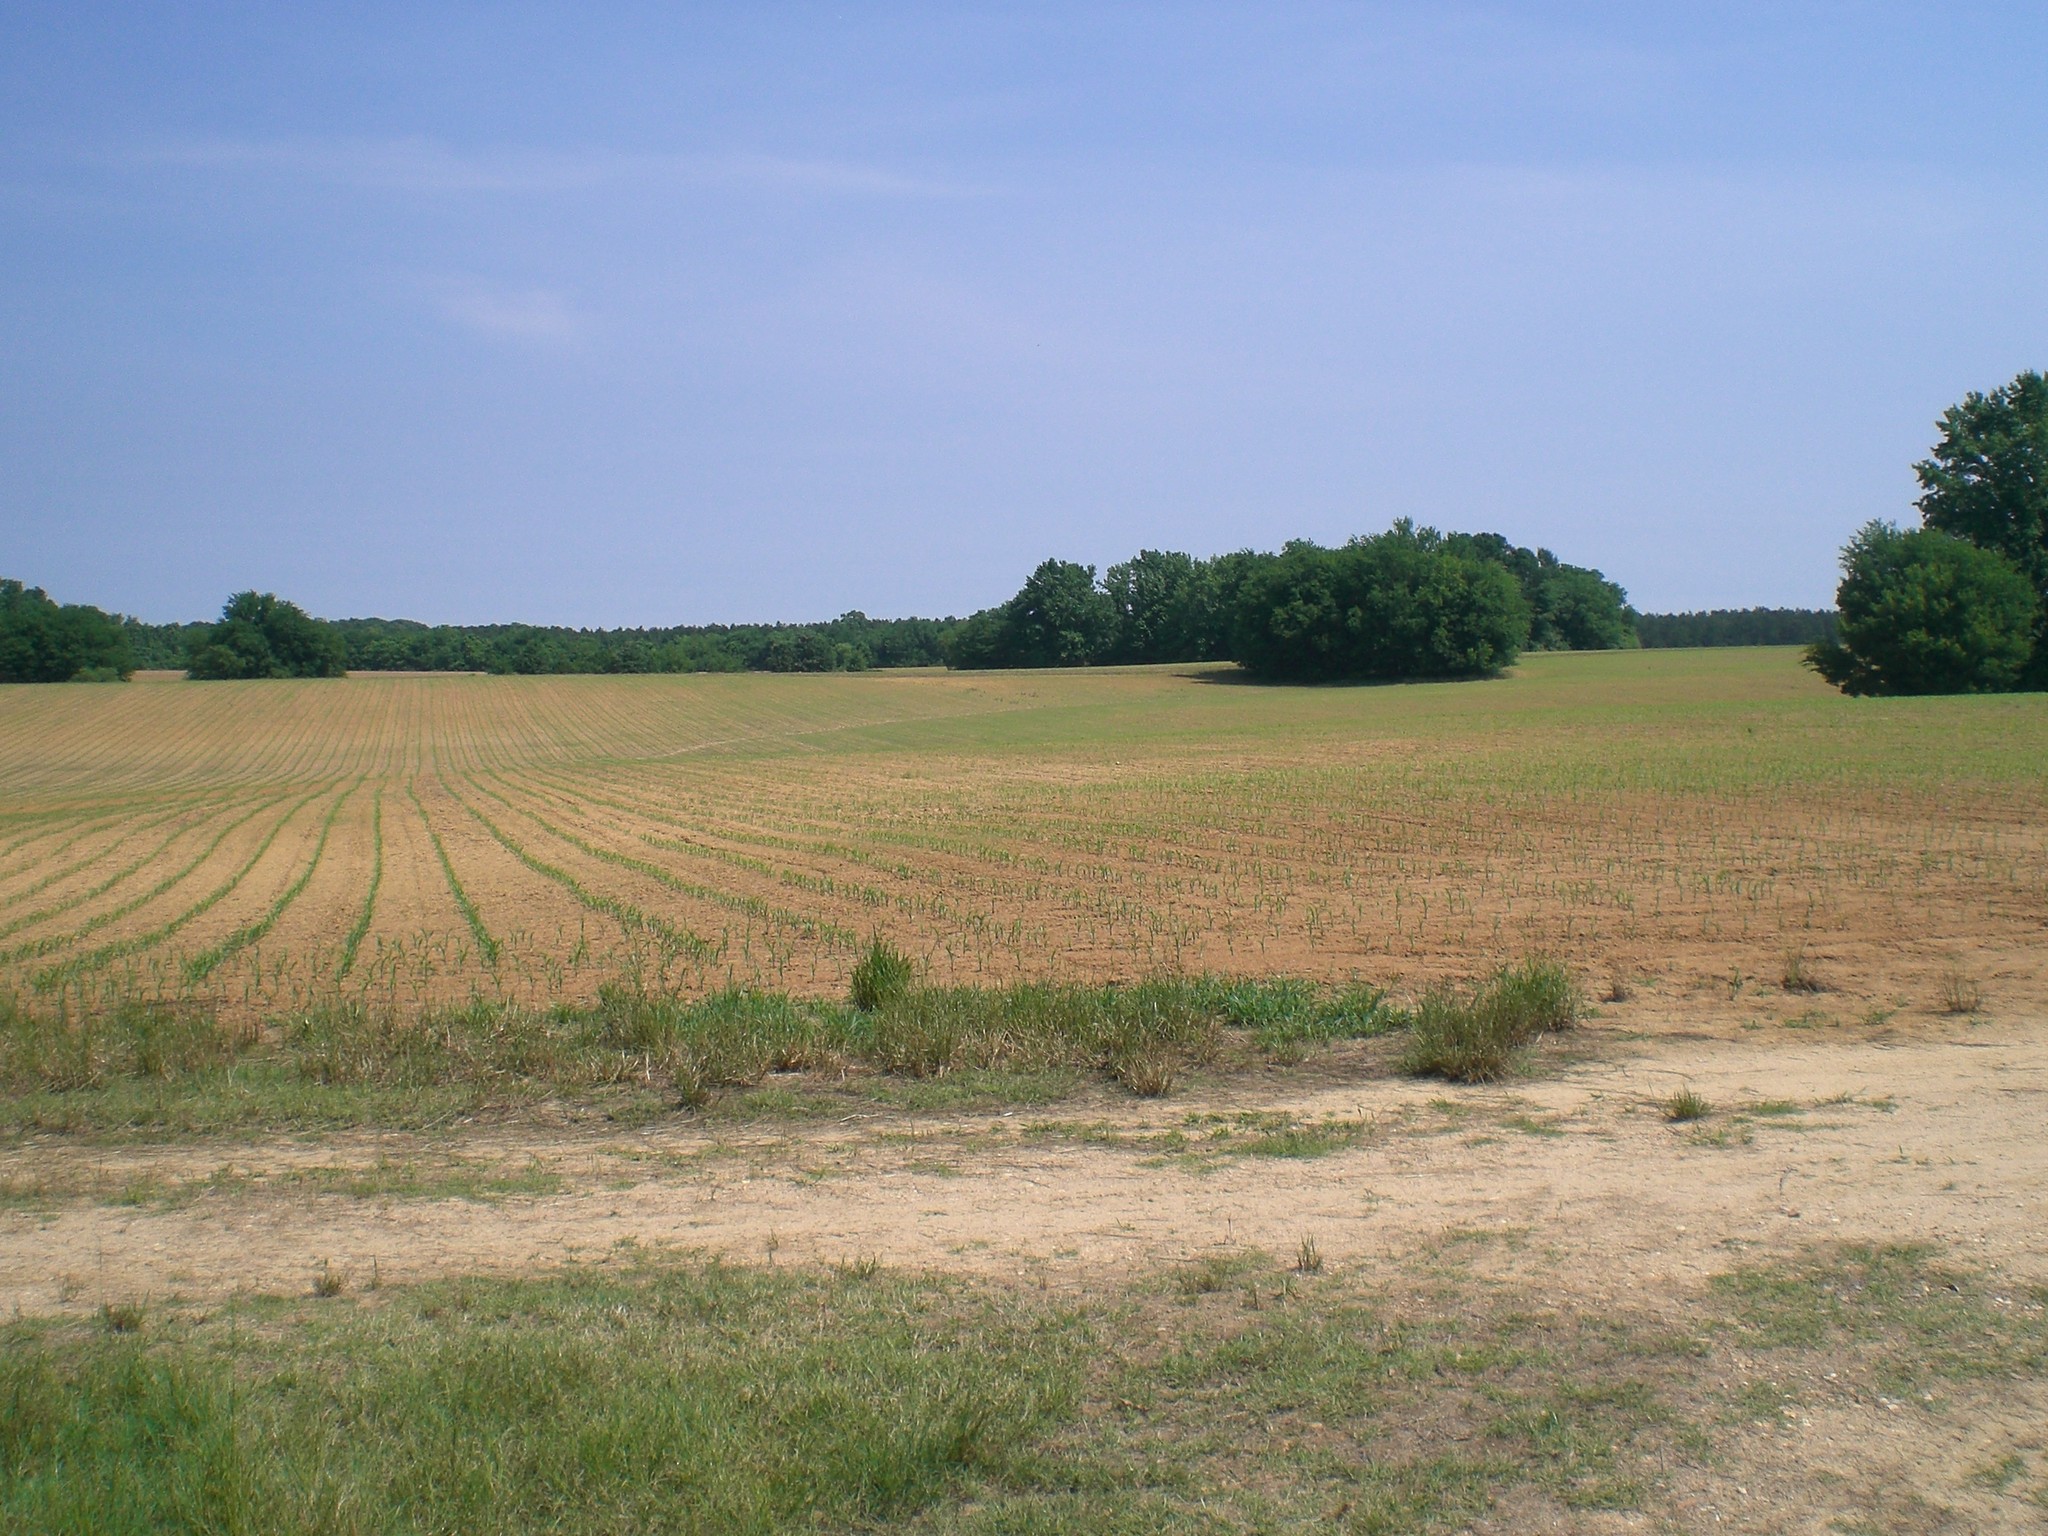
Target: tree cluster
<point>1410,602</point>
<point>1960,604</point>
<point>262,635</point>
<point>44,642</point>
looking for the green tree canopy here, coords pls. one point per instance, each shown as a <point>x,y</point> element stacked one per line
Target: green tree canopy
<point>1163,605</point>
<point>1399,604</point>
<point>262,635</point>
<point>1923,612</point>
<point>42,642</point>
<point>1987,480</point>
<point>1060,618</point>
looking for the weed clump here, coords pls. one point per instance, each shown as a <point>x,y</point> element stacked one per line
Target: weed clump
<point>1478,1036</point>
<point>121,1316</point>
<point>1960,993</point>
<point>1796,975</point>
<point>1685,1105</point>
<point>883,975</point>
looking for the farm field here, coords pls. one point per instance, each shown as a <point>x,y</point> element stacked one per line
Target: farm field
<point>1686,816</point>
<point>1753,1247</point>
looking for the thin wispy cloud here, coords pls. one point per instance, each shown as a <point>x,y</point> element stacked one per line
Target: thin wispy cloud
<point>509,314</point>
<point>428,166</point>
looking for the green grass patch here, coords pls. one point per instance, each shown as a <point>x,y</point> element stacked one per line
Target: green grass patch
<point>140,1066</point>
<point>1231,1392</point>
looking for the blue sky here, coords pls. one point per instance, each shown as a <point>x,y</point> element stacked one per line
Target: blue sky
<point>611,315</point>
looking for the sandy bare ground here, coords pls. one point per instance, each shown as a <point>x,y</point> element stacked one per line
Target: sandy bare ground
<point>1927,1133</point>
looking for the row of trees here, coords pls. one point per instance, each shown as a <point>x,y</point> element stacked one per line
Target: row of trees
<point>1960,604</point>
<point>852,642</point>
<point>1410,602</point>
<point>1735,626</point>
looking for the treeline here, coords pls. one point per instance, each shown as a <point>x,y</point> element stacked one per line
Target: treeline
<point>1406,603</point>
<point>1410,602</point>
<point>1735,626</point>
<point>853,642</point>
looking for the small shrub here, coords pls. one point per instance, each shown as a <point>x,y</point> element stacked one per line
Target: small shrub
<point>883,975</point>
<point>1685,1105</point>
<point>1960,993</point>
<point>1308,1258</point>
<point>330,1281</point>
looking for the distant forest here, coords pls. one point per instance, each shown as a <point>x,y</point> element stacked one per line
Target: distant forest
<point>1158,606</point>
<point>1736,626</point>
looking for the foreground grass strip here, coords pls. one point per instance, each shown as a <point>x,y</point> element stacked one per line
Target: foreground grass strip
<point>145,1062</point>
<point>689,1400</point>
<point>354,941</point>
<point>200,966</point>
<point>482,935</point>
<point>1236,1392</point>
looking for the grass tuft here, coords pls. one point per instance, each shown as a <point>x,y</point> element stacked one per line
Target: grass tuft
<point>1797,975</point>
<point>881,977</point>
<point>121,1316</point>
<point>1478,1036</point>
<point>1960,993</point>
<point>1685,1105</point>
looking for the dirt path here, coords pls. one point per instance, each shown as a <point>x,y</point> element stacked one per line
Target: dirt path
<point>1929,1135</point>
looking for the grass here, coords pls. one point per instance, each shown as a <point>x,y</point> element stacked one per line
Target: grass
<point>1685,1106</point>
<point>1233,1393</point>
<point>1478,1036</point>
<point>1960,993</point>
<point>882,977</point>
<point>634,1054</point>
<point>1796,974</point>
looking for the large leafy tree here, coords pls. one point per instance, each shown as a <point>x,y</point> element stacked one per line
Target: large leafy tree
<point>1162,601</point>
<point>1922,612</point>
<point>1400,604</point>
<point>1060,618</point>
<point>43,642</point>
<point>262,635</point>
<point>1987,480</point>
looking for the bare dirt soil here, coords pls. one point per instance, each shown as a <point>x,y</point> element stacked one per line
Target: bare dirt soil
<point>1930,1133</point>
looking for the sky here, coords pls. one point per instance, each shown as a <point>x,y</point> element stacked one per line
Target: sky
<point>616,315</point>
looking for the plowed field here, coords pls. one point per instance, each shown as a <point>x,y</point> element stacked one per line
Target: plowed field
<point>1683,819</point>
